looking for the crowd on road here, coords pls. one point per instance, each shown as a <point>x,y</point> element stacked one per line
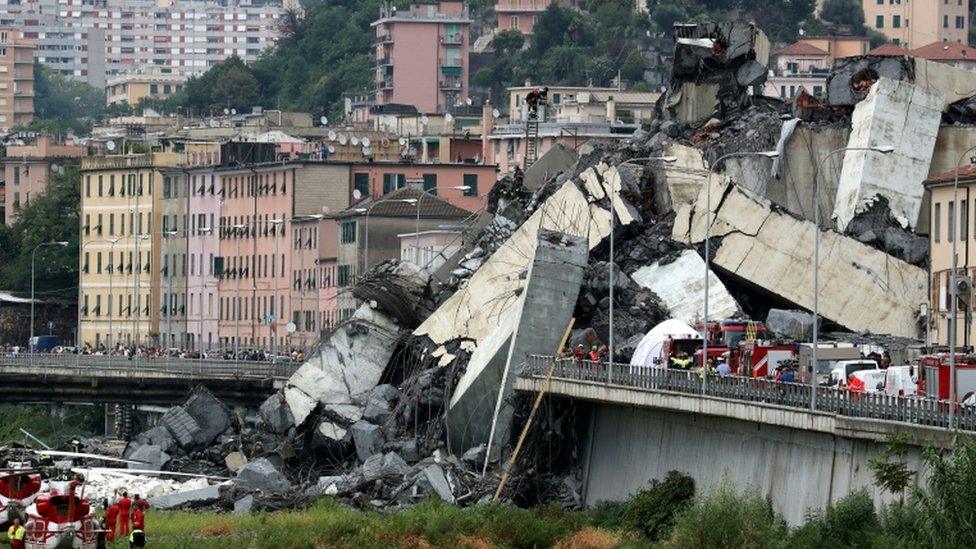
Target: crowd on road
<point>142,351</point>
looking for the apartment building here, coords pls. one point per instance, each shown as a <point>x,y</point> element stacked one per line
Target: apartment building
<point>368,233</point>
<point>914,23</point>
<point>145,82</point>
<point>92,39</point>
<point>524,14</point>
<point>121,247</point>
<point>422,56</point>
<point>951,220</point>
<point>16,78</point>
<point>27,169</point>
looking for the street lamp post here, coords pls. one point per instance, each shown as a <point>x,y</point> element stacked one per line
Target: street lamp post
<point>708,236</point>
<point>885,149</point>
<point>612,265</point>
<point>30,342</point>
<point>954,236</point>
<point>275,306</point>
<point>237,320</point>
<point>426,192</point>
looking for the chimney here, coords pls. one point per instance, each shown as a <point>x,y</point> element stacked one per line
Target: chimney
<point>611,109</point>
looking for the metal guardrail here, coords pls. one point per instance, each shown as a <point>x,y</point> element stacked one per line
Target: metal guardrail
<point>880,406</point>
<point>96,364</point>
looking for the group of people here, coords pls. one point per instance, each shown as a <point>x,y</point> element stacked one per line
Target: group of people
<point>143,351</point>
<point>125,518</point>
<point>597,353</point>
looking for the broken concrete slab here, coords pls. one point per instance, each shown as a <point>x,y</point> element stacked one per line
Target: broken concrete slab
<point>262,475</point>
<point>181,425</point>
<point>331,432</point>
<point>389,465</point>
<point>244,505</point>
<point>558,158</point>
<point>346,368</point>
<point>186,497</point>
<point>794,325</point>
<point>475,457</point>
<point>275,414</point>
<point>550,295</point>
<point>157,436</point>
<point>681,285</point>
<point>850,78</point>
<point>152,457</point>
<point>368,439</point>
<point>897,114</point>
<point>678,182</point>
<point>862,289</point>
<point>434,475</point>
<point>210,415</point>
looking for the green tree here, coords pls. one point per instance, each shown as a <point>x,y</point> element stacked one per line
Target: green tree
<point>508,41</point>
<point>554,28</point>
<point>236,88</point>
<point>666,15</point>
<point>63,104</point>
<point>49,217</point>
<point>633,67</point>
<point>844,12</point>
<point>890,467</point>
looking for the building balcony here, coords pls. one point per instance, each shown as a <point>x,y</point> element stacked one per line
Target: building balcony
<point>384,38</point>
<point>452,39</point>
<point>385,84</point>
<point>451,84</point>
<point>383,61</point>
<point>23,93</point>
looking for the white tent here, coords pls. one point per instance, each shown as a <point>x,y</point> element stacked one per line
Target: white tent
<point>651,345</point>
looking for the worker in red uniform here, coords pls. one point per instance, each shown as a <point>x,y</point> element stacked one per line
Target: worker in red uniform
<point>125,504</point>
<point>138,513</point>
<point>111,520</point>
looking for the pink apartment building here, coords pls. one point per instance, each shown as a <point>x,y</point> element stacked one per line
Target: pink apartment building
<point>422,56</point>
<point>441,180</point>
<point>203,246</point>
<point>27,170</point>
<point>523,14</point>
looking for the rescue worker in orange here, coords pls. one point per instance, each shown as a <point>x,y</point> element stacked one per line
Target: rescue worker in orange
<point>111,520</point>
<point>125,504</point>
<point>138,513</point>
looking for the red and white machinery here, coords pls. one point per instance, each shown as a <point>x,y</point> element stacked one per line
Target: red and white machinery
<point>61,519</point>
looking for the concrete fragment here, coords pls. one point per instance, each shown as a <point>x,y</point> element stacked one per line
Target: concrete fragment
<point>275,414</point>
<point>678,182</point>
<point>898,114</point>
<point>210,414</point>
<point>329,431</point>
<point>186,497</point>
<point>152,457</point>
<point>235,461</point>
<point>434,475</point>
<point>262,475</point>
<point>158,436</point>
<point>244,505</point>
<point>379,466</point>
<point>558,158</point>
<point>368,439</point>
<point>795,325</point>
<point>681,285</point>
<point>181,425</point>
<point>862,289</point>
<point>475,457</point>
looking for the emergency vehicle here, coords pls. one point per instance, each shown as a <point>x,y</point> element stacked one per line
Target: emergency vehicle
<point>61,518</point>
<point>19,486</point>
<point>934,375</point>
<point>760,358</point>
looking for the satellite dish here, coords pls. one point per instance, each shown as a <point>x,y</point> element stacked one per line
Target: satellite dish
<point>403,141</point>
<point>110,145</point>
<point>291,327</point>
<point>357,194</point>
<point>332,135</point>
<point>448,118</point>
<point>354,141</point>
<point>367,151</point>
<point>424,120</point>
<point>331,149</point>
<point>233,111</point>
<point>226,111</point>
<point>324,120</point>
<point>495,113</point>
<point>468,101</point>
<point>343,139</point>
<point>365,141</point>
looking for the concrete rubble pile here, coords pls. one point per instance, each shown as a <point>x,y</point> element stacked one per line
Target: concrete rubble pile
<point>412,397</point>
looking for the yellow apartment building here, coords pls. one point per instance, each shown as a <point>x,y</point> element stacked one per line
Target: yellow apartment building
<point>121,247</point>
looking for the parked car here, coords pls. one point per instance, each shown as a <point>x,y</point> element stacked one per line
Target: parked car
<point>901,380</point>
<point>841,373</point>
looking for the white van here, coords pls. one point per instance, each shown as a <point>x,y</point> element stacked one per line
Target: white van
<point>844,368</point>
<point>901,380</point>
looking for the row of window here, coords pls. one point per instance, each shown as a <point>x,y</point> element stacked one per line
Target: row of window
<point>127,186</point>
<point>962,223</point>
<point>896,22</point>
<point>127,306</point>
<point>131,264</point>
<point>260,308</point>
<point>306,238</point>
<point>135,226</point>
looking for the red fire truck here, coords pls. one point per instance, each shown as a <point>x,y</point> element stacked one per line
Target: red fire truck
<point>934,378</point>
<point>759,358</point>
<point>725,338</point>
